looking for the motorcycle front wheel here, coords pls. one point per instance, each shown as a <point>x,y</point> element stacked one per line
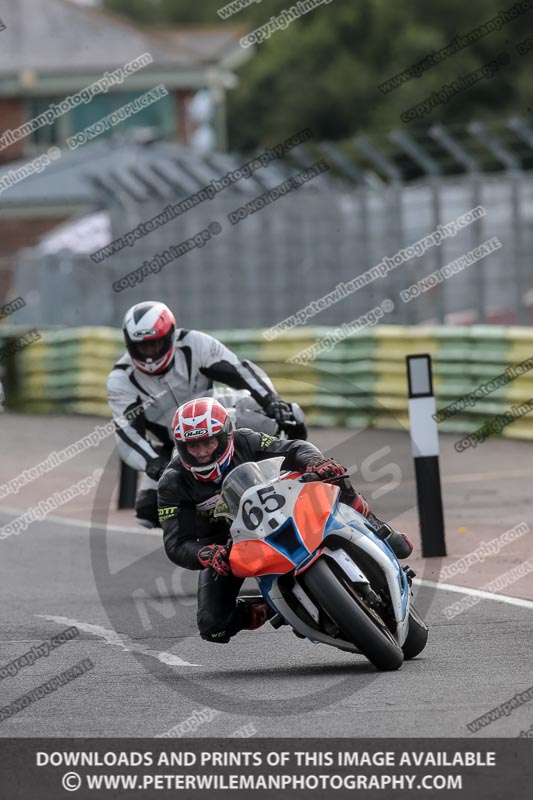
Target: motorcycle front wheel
<point>417,637</point>
<point>358,623</point>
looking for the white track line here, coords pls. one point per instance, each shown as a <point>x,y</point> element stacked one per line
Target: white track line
<point>121,640</point>
<point>81,523</point>
<point>500,598</point>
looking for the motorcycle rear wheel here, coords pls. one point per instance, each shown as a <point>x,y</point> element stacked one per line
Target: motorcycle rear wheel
<point>357,622</point>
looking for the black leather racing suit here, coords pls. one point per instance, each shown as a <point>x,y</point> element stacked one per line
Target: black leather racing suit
<point>186,507</point>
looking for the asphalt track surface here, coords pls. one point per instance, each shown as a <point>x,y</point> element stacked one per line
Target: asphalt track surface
<point>136,616</point>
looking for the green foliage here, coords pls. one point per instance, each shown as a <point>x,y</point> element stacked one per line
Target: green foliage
<point>323,71</point>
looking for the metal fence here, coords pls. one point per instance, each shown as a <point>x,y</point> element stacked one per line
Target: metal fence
<point>299,247</point>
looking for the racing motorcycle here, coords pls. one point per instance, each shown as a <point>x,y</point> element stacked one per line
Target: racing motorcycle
<point>319,565</point>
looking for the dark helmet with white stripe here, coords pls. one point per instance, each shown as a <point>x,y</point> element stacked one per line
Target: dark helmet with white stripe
<point>149,331</point>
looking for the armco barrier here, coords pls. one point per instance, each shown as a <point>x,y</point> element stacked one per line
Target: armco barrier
<point>361,382</point>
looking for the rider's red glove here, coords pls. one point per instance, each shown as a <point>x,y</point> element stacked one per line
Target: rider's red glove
<point>326,469</point>
<point>215,556</point>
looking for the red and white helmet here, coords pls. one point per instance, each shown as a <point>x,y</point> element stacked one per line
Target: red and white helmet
<point>202,419</point>
<point>149,330</point>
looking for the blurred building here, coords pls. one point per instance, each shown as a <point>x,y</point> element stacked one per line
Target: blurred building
<point>51,49</point>
<point>54,48</point>
<point>369,202</point>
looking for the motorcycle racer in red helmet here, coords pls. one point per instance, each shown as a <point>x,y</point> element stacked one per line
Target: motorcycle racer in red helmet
<point>164,366</point>
<point>204,438</point>
<point>208,447</point>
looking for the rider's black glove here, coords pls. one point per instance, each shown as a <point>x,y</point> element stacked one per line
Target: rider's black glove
<point>155,467</point>
<point>278,409</point>
<point>324,470</point>
<point>215,556</point>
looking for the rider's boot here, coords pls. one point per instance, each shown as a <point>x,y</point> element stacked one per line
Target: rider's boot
<point>400,543</point>
<point>257,615</point>
<point>146,508</point>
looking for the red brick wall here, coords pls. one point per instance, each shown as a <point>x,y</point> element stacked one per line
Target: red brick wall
<point>18,233</point>
<point>11,116</point>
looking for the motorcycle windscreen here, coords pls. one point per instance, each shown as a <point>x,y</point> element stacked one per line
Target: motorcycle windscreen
<point>241,479</point>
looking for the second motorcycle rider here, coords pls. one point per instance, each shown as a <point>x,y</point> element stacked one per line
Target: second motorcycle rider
<point>162,368</point>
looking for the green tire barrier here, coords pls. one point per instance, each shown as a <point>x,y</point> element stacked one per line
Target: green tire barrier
<point>360,382</point>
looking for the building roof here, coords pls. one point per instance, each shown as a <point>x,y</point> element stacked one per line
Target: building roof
<point>124,170</point>
<point>208,44</point>
<point>46,38</point>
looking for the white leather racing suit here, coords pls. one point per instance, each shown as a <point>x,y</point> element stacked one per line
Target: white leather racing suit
<point>143,405</point>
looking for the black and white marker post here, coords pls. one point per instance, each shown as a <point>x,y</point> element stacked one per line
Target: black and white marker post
<point>425,446</point>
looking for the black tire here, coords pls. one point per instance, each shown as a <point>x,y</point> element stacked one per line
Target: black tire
<point>417,636</point>
<point>351,615</point>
